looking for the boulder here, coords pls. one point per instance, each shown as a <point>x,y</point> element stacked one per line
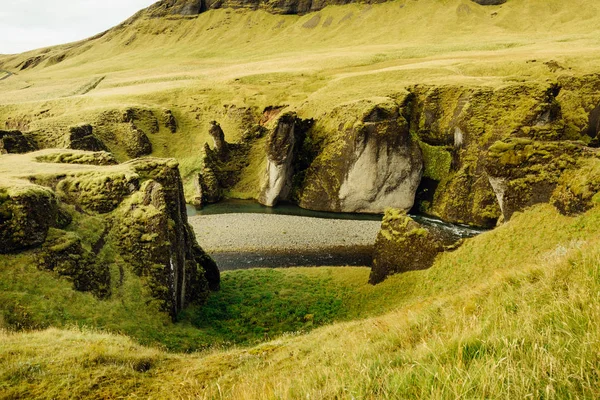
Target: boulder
<point>15,142</point>
<point>403,245</point>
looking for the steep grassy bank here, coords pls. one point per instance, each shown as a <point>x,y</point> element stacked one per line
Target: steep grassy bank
<point>513,313</point>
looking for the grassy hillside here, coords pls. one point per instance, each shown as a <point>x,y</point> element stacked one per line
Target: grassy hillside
<point>224,62</point>
<point>513,313</point>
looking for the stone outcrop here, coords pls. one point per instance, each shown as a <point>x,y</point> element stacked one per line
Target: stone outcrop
<point>524,172</point>
<point>169,121</point>
<point>137,211</point>
<point>81,137</point>
<point>281,151</point>
<point>14,142</point>
<point>26,214</point>
<point>218,136</point>
<point>578,190</point>
<point>403,245</point>
<point>367,164</point>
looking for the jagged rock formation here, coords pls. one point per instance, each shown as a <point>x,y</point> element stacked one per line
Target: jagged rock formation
<point>457,126</point>
<point>138,209</point>
<point>15,142</point>
<point>403,245</point>
<point>524,172</point>
<point>169,121</point>
<point>81,137</point>
<point>26,214</point>
<point>281,151</point>
<point>195,7</point>
<point>367,164</point>
<point>216,133</point>
<point>578,190</point>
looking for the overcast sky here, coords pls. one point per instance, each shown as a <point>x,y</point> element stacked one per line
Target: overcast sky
<point>31,24</point>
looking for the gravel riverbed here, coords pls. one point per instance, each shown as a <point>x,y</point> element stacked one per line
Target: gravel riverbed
<point>255,232</point>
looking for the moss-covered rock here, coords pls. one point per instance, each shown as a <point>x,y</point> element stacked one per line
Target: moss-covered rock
<point>578,189</point>
<point>64,254</point>
<point>464,123</point>
<point>403,245</point>
<point>15,142</point>
<point>169,121</point>
<point>524,172</point>
<point>26,214</point>
<point>81,137</point>
<point>129,216</point>
<point>101,193</point>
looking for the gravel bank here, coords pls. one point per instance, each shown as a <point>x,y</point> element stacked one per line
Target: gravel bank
<point>248,232</point>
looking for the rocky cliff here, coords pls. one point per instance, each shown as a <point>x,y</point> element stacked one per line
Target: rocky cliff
<point>367,163</point>
<point>84,215</point>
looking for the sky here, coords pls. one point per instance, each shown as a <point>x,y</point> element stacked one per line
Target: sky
<point>31,24</point>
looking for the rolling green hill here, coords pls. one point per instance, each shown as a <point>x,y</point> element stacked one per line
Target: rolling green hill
<point>512,313</point>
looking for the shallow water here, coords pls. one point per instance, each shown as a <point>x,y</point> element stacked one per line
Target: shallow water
<point>339,256</point>
<point>348,256</point>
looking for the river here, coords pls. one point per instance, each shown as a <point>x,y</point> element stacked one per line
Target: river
<point>241,234</point>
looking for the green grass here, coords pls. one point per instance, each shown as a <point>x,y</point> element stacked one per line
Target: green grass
<point>512,314</point>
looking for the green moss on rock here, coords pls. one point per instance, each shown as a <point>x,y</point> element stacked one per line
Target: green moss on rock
<point>525,172</point>
<point>26,214</point>
<point>403,245</point>
<point>578,189</point>
<point>64,254</point>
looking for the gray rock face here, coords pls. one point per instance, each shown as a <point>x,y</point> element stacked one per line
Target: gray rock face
<point>370,166</point>
<point>280,159</point>
<point>385,172</point>
<point>15,142</point>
